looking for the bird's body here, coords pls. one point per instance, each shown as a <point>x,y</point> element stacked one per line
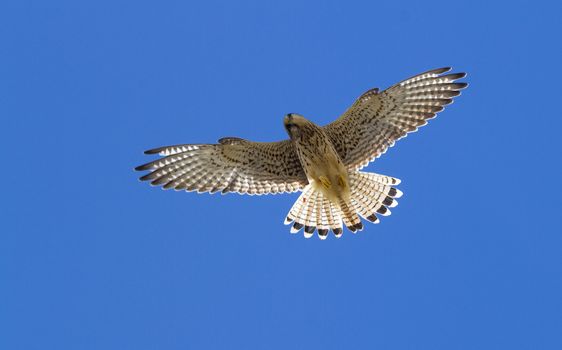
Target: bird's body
<point>322,162</point>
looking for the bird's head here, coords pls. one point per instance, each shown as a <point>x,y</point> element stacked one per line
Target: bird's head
<point>294,124</point>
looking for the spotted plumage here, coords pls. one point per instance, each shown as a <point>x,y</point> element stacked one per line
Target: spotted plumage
<point>322,162</point>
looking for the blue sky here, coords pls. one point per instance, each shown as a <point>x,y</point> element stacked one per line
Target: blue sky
<point>90,258</point>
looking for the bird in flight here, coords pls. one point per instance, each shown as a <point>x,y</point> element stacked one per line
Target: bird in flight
<point>323,162</point>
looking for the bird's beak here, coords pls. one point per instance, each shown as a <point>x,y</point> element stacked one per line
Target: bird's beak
<point>288,119</point>
<point>288,122</point>
<point>291,127</point>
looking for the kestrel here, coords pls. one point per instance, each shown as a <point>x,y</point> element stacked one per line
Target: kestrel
<point>323,162</point>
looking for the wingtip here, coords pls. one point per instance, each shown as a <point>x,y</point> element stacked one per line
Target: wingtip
<point>441,70</point>
<point>142,167</point>
<point>146,177</point>
<point>461,85</point>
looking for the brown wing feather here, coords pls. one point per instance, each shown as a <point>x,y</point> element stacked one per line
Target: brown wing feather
<point>233,165</point>
<point>377,120</point>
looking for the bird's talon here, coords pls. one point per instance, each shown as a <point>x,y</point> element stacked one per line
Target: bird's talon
<point>341,181</point>
<point>325,182</point>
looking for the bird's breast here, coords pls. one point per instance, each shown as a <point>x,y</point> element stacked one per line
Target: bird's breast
<point>323,167</point>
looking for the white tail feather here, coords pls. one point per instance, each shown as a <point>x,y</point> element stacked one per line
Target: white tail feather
<point>371,195</point>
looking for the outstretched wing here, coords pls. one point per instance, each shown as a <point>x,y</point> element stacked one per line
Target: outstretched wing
<point>376,120</point>
<point>233,165</point>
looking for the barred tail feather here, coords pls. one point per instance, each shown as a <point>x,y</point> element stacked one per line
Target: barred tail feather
<point>299,209</point>
<point>350,218</point>
<point>371,196</point>
<point>312,211</point>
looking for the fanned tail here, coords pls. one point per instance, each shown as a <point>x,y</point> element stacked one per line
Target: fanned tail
<point>371,195</point>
